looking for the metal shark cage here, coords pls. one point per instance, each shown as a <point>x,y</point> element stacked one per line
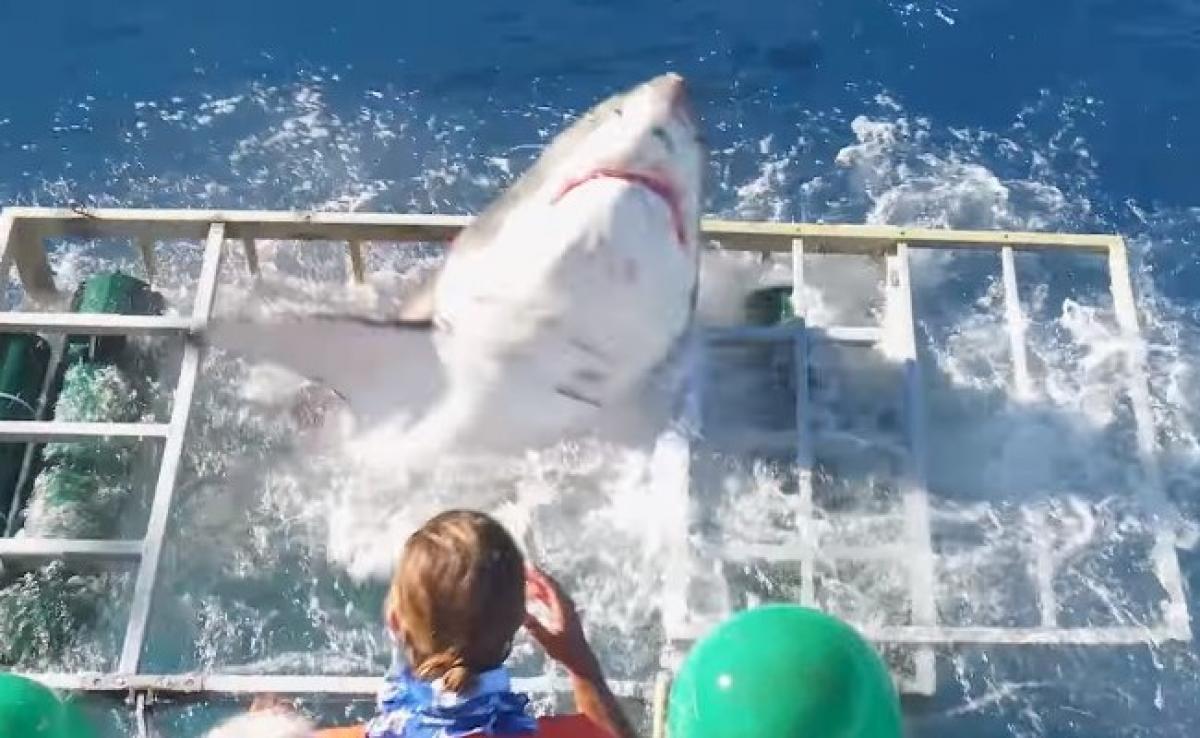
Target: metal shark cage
<point>25,232</point>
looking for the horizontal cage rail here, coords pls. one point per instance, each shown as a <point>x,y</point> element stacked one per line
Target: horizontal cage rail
<point>193,224</point>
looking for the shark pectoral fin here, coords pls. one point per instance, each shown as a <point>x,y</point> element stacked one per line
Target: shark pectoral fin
<point>380,368</point>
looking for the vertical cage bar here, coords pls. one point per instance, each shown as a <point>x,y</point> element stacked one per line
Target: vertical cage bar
<point>9,234</point>
<point>1014,317</point>
<point>251,250</point>
<point>164,488</point>
<point>57,348</point>
<point>1044,565</point>
<point>145,247</point>
<point>804,446</point>
<point>662,694</point>
<point>8,226</point>
<point>671,478</point>
<point>915,490</point>
<point>1015,320</point>
<point>1047,599</point>
<point>1166,561</point>
<point>358,271</point>
<point>22,245</point>
<point>1135,365</point>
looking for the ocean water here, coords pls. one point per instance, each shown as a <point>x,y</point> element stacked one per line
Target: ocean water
<point>1076,116</point>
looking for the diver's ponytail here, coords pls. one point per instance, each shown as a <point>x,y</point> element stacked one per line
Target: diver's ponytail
<point>455,674</point>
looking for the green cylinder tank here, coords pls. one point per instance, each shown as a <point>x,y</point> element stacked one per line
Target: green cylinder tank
<point>118,294</point>
<point>770,306</point>
<point>24,359</point>
<point>84,488</point>
<point>83,485</point>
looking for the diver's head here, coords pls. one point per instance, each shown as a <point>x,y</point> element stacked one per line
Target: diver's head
<point>457,597</point>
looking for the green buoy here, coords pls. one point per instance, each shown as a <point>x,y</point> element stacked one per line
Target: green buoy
<point>783,671</point>
<point>30,710</point>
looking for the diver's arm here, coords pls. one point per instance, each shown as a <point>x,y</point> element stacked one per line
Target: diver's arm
<point>596,701</point>
<point>564,641</point>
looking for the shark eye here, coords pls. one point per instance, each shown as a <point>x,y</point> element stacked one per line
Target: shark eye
<point>661,134</point>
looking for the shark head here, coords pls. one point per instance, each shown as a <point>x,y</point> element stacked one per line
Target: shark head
<point>566,292</point>
<point>590,257</point>
<point>647,137</point>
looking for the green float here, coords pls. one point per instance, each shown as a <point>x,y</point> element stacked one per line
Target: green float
<point>30,710</point>
<point>783,671</point>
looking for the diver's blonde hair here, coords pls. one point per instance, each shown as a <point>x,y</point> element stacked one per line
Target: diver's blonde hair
<point>457,597</point>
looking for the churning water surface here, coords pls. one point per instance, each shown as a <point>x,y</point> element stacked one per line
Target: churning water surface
<point>1072,116</point>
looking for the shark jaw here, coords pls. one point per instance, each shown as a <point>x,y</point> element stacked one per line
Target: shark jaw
<point>655,183</point>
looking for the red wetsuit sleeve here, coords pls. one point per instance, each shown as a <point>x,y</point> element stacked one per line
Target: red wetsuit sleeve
<point>555,726</point>
<point>570,726</point>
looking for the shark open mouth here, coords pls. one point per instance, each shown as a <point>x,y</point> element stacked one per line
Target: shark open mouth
<point>656,184</point>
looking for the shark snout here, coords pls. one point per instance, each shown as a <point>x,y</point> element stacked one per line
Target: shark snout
<point>674,91</point>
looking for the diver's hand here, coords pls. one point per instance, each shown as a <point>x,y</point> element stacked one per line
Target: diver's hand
<point>562,634</point>
<point>562,637</point>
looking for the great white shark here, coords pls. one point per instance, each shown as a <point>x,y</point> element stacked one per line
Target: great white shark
<point>552,305</point>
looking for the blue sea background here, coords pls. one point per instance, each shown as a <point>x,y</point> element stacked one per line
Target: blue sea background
<point>1074,115</point>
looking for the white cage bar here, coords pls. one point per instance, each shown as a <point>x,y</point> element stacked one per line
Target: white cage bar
<point>25,231</point>
<point>915,478</point>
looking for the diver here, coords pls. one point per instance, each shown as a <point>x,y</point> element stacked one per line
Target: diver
<point>459,594</point>
<point>457,598</point>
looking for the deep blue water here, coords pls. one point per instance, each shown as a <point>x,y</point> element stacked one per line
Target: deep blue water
<point>1119,76</point>
<point>971,64</point>
<point>1084,111</point>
